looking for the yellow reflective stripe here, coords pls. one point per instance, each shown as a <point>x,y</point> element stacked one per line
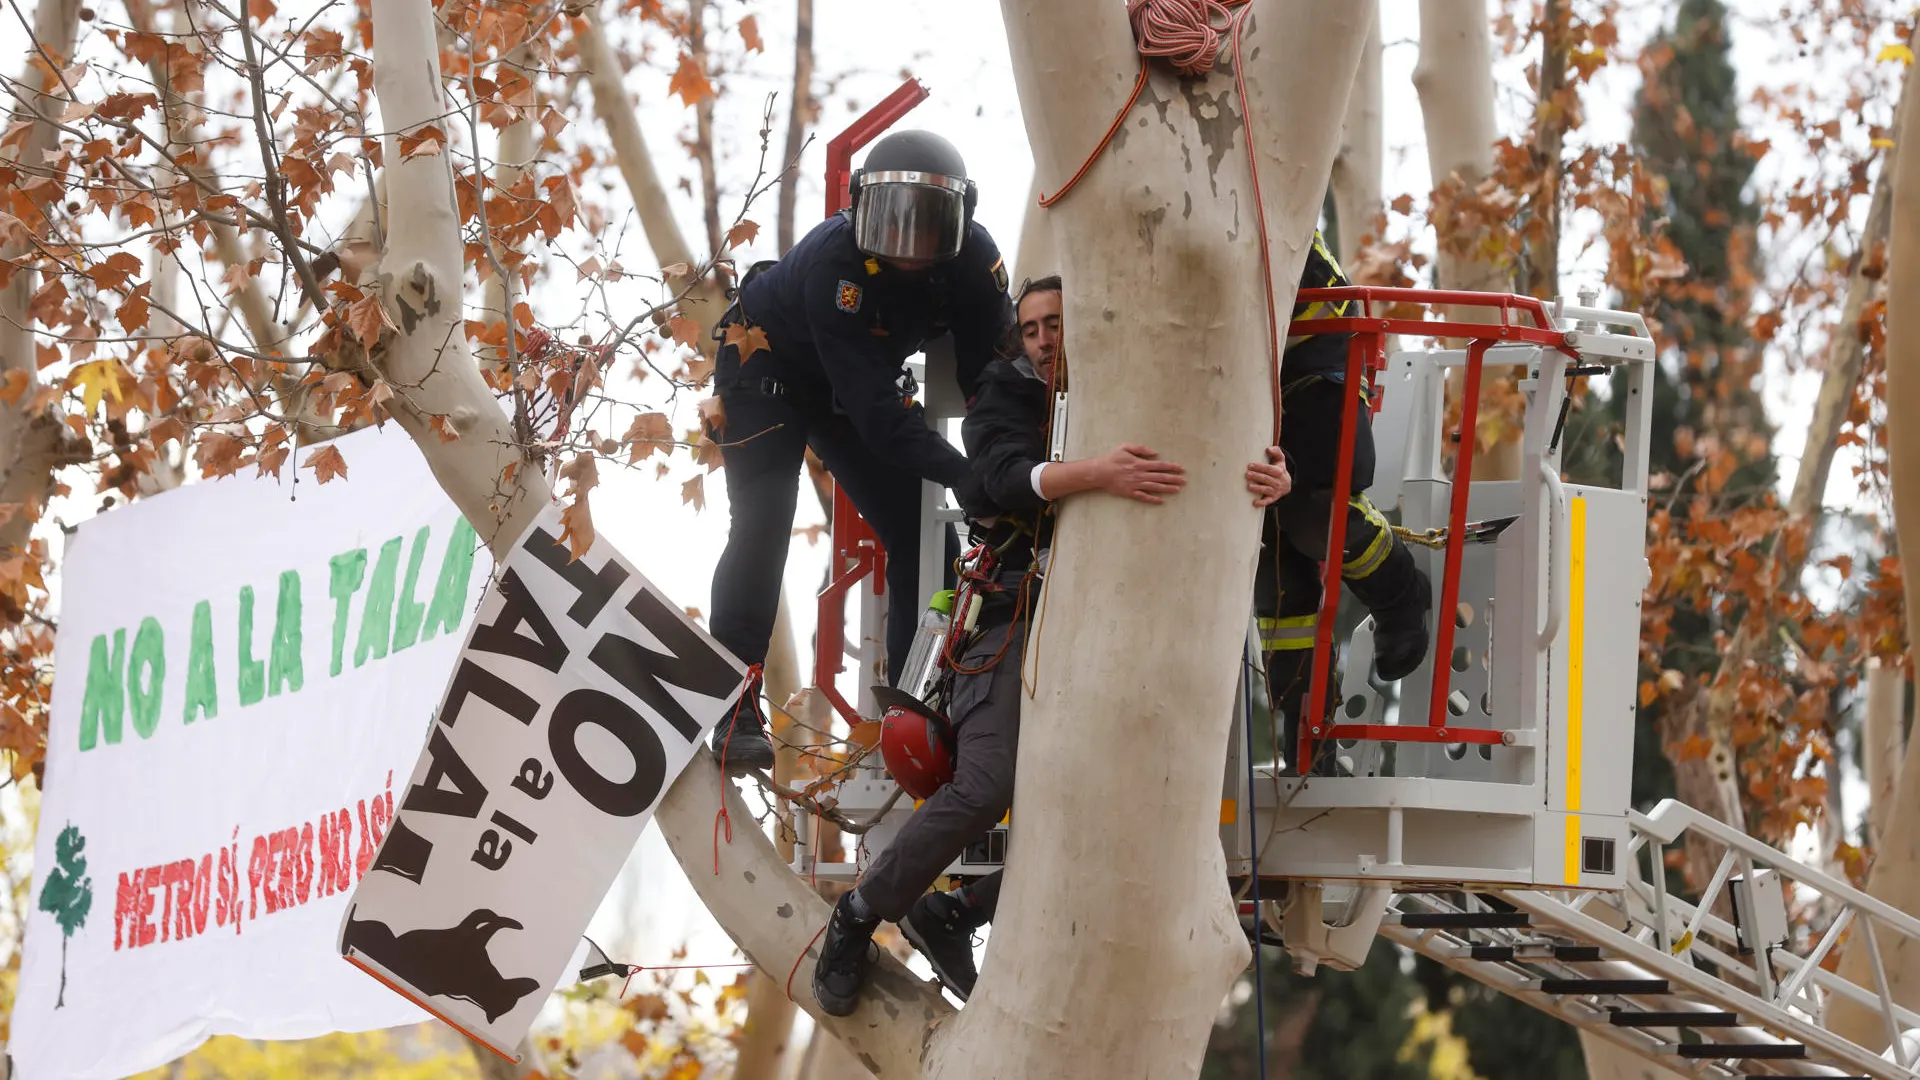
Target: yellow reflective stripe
<point>1376,553</point>
<point>1289,632</point>
<point>1369,560</point>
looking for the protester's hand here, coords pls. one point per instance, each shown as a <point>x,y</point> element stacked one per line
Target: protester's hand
<point>1132,471</point>
<point>1269,480</point>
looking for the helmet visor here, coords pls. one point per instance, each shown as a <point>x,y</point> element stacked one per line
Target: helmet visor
<point>911,215</point>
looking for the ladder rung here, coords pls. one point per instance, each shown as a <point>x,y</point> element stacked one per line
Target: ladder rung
<point>1603,986</point>
<point>1464,920</point>
<point>1630,1018</point>
<point>1506,953</point>
<point>1748,1051</point>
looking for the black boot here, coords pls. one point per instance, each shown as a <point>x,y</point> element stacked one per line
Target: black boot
<point>740,738</point>
<point>941,926</point>
<point>846,955</point>
<point>1400,636</point>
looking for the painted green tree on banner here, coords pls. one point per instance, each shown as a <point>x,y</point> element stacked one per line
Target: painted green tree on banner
<point>68,894</point>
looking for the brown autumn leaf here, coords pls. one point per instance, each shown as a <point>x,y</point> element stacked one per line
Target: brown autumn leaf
<point>326,464</point>
<point>422,142</point>
<point>576,522</point>
<point>748,339</point>
<point>649,432</point>
<point>742,233</point>
<point>366,317</point>
<point>689,81</point>
<point>114,271</point>
<point>635,1043</point>
<point>133,313</point>
<point>583,472</point>
<point>684,330</point>
<point>647,1006</point>
<point>695,491</point>
<point>13,385</point>
<point>750,34</point>
<point>167,429</point>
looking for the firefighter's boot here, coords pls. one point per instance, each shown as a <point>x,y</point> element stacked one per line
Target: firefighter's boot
<point>1400,636</point>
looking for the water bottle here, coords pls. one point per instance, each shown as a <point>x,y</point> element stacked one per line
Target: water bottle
<point>923,660</point>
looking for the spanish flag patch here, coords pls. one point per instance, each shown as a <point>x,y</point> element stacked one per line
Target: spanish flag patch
<point>848,299</point>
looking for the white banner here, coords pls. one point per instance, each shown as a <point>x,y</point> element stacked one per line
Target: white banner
<point>245,670</point>
<point>581,694</point>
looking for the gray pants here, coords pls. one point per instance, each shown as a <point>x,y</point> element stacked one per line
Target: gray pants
<point>986,717</point>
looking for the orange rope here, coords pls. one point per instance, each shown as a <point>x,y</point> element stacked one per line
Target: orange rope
<point>722,818</point>
<point>803,956</point>
<point>1186,34</point>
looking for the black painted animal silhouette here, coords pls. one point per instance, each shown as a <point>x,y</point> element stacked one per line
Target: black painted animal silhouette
<point>445,963</point>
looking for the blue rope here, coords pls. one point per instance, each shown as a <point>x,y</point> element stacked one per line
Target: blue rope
<point>1253,844</point>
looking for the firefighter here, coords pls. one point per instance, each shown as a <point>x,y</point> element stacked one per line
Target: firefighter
<point>1005,433</point>
<point>841,313</point>
<point>1376,566</point>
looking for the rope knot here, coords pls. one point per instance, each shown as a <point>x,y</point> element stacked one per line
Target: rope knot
<point>1187,33</point>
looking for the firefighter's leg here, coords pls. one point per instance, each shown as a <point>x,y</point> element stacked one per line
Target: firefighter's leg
<point>1375,564</point>
<point>1289,620</point>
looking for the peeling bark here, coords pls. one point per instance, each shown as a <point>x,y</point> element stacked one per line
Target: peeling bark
<point>1358,204</point>
<point>32,445</point>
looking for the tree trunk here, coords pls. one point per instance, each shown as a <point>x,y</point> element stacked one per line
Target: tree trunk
<point>1108,971</point>
<point>1454,78</point>
<point>703,152</point>
<point>799,114</point>
<point>60,1000</point>
<point>1884,744</point>
<point>32,444</point>
<point>769,1027</point>
<point>1846,354</point>
<point>705,301</point>
<point>1357,201</point>
<point>1035,255</point>
<point>1895,877</point>
<point>1550,120</point>
<point>828,1060</point>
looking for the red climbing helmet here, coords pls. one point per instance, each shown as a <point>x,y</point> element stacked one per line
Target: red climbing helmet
<point>915,742</point>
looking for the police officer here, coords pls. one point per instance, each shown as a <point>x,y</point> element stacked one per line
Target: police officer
<point>841,312</point>
<point>1376,566</point>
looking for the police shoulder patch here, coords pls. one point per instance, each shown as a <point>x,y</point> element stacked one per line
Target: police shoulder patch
<point>999,272</point>
<point>848,298</point>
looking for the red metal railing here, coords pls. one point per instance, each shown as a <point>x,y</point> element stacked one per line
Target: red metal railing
<point>1365,354</point>
<point>857,552</point>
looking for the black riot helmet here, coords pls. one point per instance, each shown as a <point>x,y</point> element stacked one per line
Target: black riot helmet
<point>912,199</point>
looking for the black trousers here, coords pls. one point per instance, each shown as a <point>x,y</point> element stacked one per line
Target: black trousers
<point>769,425</point>
<point>986,719</point>
<point>1376,566</point>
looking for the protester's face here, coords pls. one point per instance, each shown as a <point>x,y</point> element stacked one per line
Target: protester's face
<point>1040,331</point>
